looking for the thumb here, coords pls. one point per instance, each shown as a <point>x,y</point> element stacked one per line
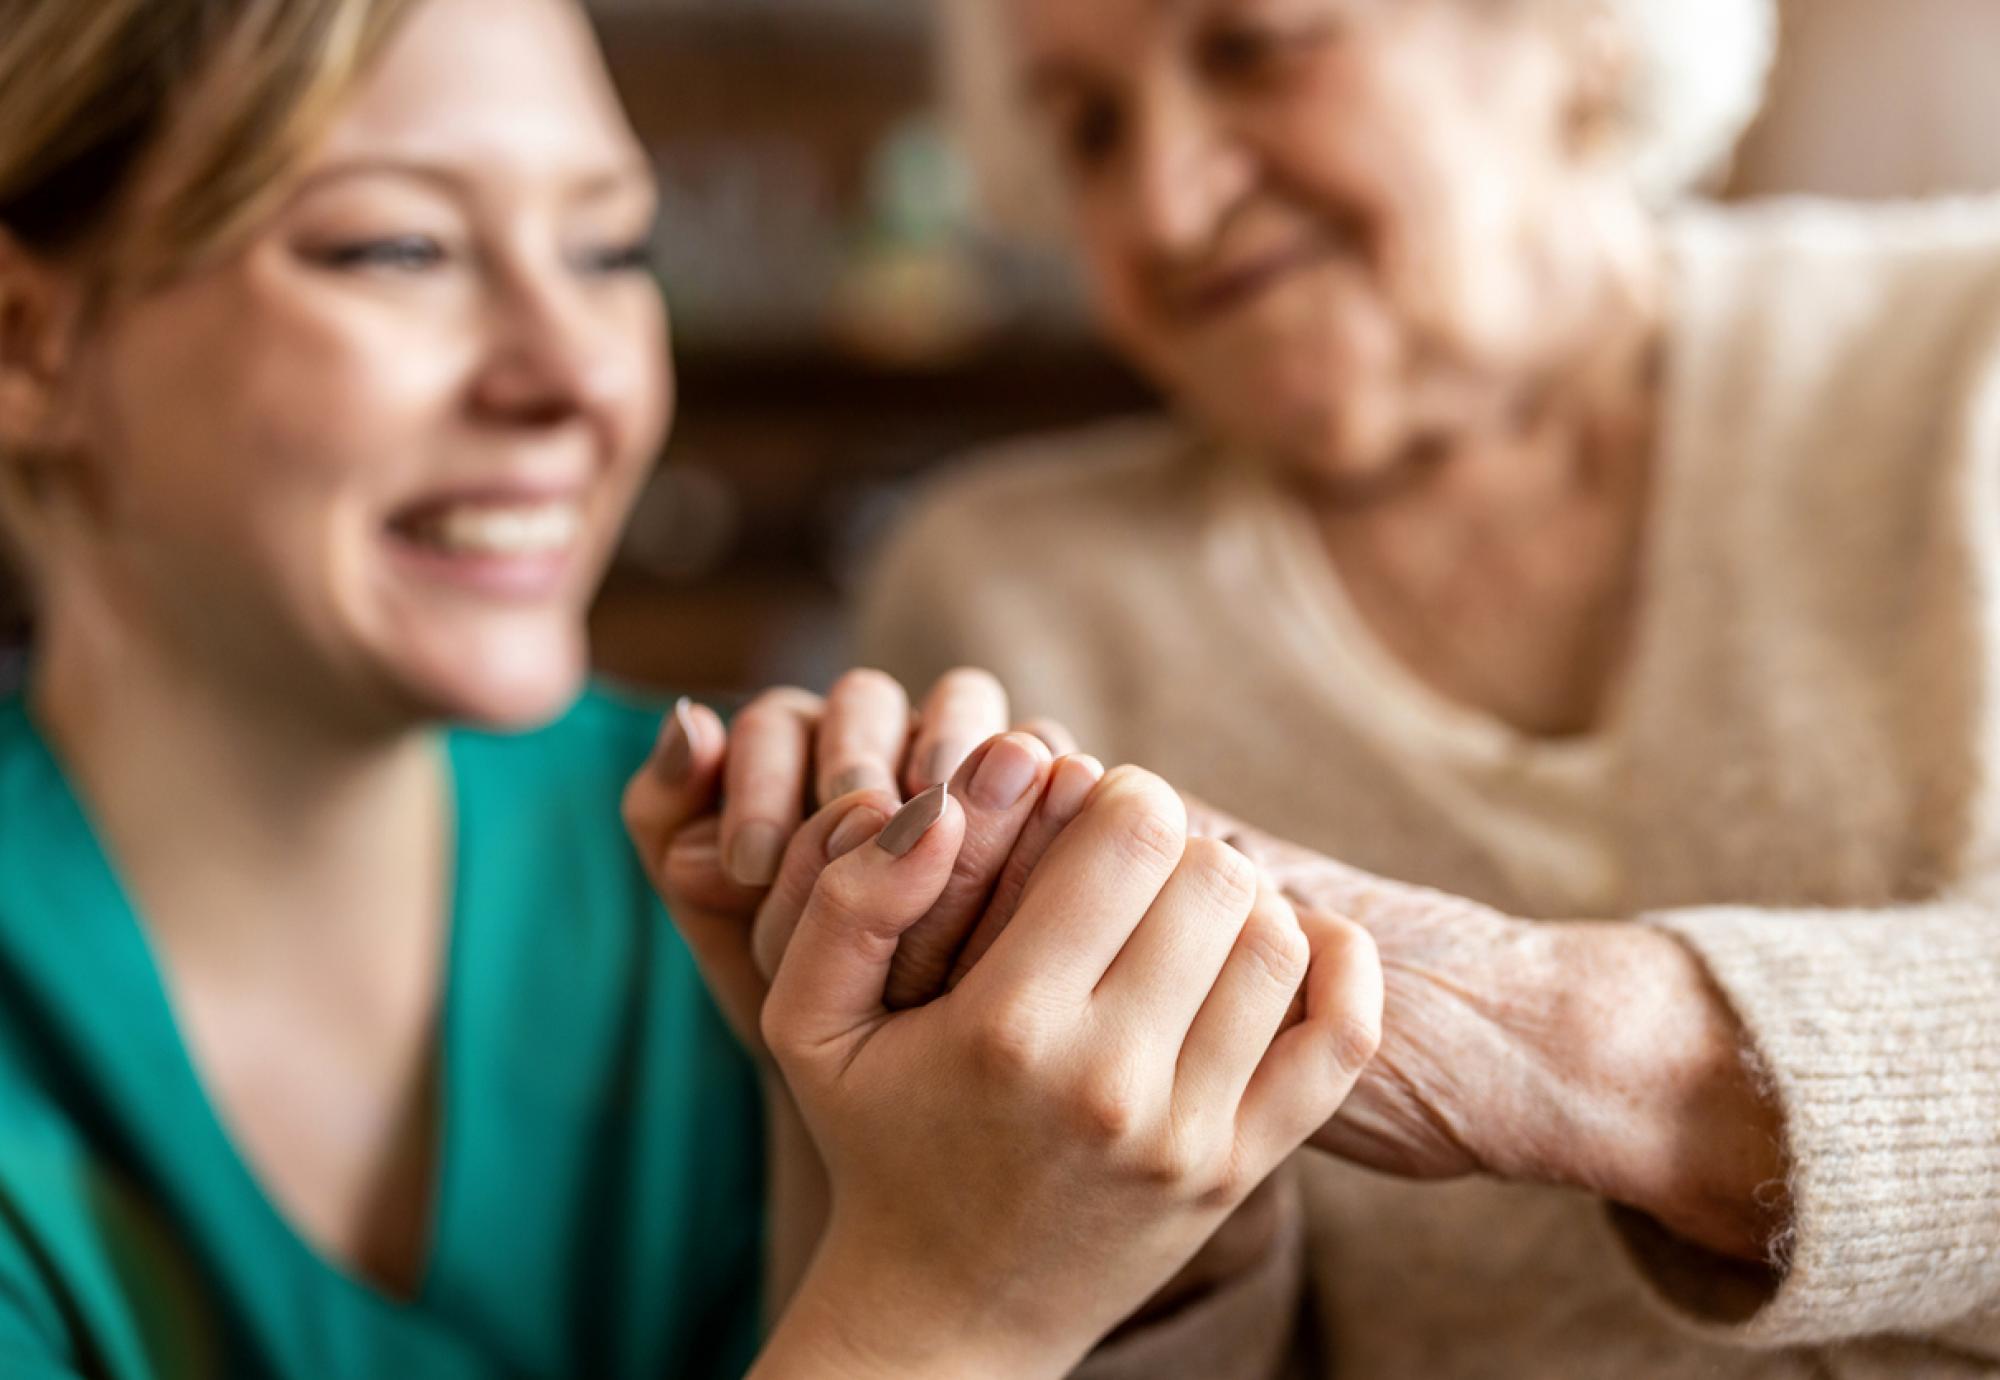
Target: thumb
<point>830,983</point>
<point>677,785</point>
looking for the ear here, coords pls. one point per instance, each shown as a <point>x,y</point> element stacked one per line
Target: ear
<point>39,315</point>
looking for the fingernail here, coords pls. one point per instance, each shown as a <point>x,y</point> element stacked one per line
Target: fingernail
<point>943,761</point>
<point>912,822</point>
<point>1004,777</point>
<point>677,746</point>
<point>848,782</point>
<point>753,857</point>
<point>1075,779</point>
<point>861,825</point>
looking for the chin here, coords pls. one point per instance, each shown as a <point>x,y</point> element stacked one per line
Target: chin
<point>506,683</point>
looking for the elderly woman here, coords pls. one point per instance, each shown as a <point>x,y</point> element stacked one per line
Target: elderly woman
<point>342,1034</point>
<point>1583,564</point>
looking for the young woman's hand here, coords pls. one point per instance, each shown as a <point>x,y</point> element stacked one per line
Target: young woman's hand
<point>1017,1164</point>
<point>715,811</point>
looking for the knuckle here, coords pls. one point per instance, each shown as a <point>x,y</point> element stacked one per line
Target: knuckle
<point>971,680</point>
<point>1228,877</point>
<point>781,706</point>
<point>1356,1041</point>
<point>1184,1162</point>
<point>1010,1043</point>
<point>1107,1106</point>
<point>1273,940</point>
<point>1151,818</point>
<point>867,683</point>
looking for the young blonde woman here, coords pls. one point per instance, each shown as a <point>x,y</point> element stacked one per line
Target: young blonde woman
<point>340,1031</point>
<point>1582,562</point>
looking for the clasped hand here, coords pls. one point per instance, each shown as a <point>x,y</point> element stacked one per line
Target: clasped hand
<point>1039,1033</point>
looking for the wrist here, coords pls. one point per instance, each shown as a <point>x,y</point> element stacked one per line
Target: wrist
<point>870,1314</point>
<point>1665,1109</point>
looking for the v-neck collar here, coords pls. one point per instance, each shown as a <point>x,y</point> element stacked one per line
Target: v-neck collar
<point>90,961</point>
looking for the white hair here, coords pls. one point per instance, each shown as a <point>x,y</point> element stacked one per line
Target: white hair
<point>1698,75</point>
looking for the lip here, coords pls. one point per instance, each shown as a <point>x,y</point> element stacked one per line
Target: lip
<point>526,578</point>
<point>1223,291</point>
<point>492,493</point>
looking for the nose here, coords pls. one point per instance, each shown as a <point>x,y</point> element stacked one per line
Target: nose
<point>549,359</point>
<point>1187,170</point>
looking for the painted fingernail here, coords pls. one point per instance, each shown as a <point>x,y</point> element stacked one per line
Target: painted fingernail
<point>861,825</point>
<point>1004,777</point>
<point>677,745</point>
<point>912,822</point>
<point>1075,779</point>
<point>753,857</point>
<point>942,761</point>
<point>849,781</point>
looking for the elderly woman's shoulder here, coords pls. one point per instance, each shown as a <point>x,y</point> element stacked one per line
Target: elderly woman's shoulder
<point>1885,249</point>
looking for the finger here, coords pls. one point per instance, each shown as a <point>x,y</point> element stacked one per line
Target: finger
<point>1059,740</point>
<point>999,786</point>
<point>692,877</point>
<point>1166,971</point>
<point>1312,1067</point>
<point>963,710</point>
<point>1246,1008</point>
<point>764,786</point>
<point>829,987</point>
<point>1070,783</point>
<point>712,914</point>
<point>678,783</point>
<point>861,736</point>
<point>828,836</point>
<point>1098,881</point>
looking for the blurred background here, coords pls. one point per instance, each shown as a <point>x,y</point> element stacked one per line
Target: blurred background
<point>843,324</point>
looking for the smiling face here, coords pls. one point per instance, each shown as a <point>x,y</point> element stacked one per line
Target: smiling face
<point>376,458</point>
<point>1333,229</point>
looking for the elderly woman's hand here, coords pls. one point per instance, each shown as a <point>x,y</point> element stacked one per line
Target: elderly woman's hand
<point>1592,1055</point>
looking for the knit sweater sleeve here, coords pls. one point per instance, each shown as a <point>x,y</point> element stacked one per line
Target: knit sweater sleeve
<point>1880,1034</point>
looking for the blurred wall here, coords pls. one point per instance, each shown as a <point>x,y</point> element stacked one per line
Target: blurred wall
<point>1881,98</point>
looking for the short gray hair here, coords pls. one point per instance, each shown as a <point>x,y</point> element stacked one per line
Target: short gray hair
<point>1698,79</point>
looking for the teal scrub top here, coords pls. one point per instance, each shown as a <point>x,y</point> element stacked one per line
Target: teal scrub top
<point>600,1183</point>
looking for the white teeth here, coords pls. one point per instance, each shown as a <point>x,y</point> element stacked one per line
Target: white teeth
<point>481,530</point>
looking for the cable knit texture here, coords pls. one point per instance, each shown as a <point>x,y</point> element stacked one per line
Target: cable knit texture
<point>1798,781</point>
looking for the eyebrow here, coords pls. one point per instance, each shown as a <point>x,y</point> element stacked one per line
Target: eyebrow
<point>626,175</point>
<point>1051,77</point>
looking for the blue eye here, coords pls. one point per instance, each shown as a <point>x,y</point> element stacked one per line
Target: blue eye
<point>402,253</point>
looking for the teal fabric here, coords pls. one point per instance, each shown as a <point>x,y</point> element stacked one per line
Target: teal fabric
<point>601,1177</point>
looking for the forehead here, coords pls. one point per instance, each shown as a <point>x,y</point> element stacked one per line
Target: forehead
<point>1054,25</point>
<point>504,84</point>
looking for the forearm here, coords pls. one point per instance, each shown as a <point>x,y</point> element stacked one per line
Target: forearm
<point>1880,1040</point>
<point>1666,1108</point>
<point>857,1316</point>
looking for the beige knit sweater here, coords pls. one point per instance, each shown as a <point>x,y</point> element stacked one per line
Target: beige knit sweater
<point>1802,780</point>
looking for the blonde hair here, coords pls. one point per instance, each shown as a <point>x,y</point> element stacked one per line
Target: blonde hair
<point>1697,79</point>
<point>140,137</point>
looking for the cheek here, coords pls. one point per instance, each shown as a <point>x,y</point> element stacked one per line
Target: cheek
<point>251,404</point>
<point>647,384</point>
